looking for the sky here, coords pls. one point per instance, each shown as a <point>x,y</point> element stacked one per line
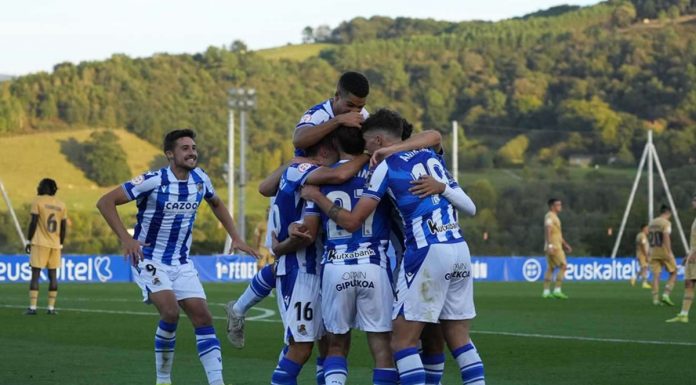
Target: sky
<point>37,34</point>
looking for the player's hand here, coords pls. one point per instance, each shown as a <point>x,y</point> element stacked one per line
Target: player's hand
<point>380,155</point>
<point>27,248</point>
<point>426,186</point>
<point>239,244</point>
<point>568,249</point>
<point>299,231</point>
<point>133,250</point>
<point>350,119</point>
<point>309,192</point>
<point>274,244</point>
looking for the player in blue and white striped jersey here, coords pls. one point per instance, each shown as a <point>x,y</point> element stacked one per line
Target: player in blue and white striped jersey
<point>346,108</point>
<point>356,280</point>
<point>167,202</point>
<point>434,280</point>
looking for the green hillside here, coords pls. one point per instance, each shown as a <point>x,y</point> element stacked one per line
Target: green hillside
<point>28,158</point>
<point>298,52</point>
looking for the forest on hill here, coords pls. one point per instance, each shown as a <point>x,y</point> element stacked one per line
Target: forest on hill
<point>530,93</point>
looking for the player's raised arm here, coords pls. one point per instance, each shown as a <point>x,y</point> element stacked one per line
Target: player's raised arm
<point>309,135</point>
<point>425,139</point>
<point>339,174</point>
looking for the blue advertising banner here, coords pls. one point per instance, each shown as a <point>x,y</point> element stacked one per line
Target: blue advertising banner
<point>237,268</point>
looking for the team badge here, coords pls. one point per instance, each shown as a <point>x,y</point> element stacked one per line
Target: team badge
<point>301,329</point>
<point>303,167</point>
<point>306,118</point>
<point>138,180</point>
<point>199,186</point>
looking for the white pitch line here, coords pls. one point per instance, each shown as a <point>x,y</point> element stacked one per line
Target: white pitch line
<point>263,317</point>
<point>579,338</point>
<point>489,332</point>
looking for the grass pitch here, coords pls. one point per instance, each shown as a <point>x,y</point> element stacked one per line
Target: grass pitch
<point>607,333</point>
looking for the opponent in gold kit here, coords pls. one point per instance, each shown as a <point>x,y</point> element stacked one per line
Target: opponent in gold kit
<point>661,255</point>
<point>260,238</point>
<point>642,254</point>
<point>46,236</point>
<point>554,249</point>
<point>689,274</point>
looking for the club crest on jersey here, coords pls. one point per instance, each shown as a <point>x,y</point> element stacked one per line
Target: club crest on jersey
<point>303,167</point>
<point>199,187</point>
<point>302,329</point>
<point>306,118</point>
<point>138,180</point>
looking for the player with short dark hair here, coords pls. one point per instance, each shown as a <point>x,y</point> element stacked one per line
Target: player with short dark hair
<point>554,246</point>
<point>47,230</point>
<point>167,201</point>
<point>346,108</point>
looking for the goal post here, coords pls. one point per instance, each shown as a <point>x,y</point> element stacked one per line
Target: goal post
<point>10,208</point>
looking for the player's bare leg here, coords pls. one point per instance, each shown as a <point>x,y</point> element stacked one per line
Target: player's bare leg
<point>456,335</point>
<point>432,355</point>
<point>548,277</point>
<point>557,293</point>
<point>206,341</point>
<point>683,316</point>
<point>404,346</point>
<point>33,291</point>
<point>668,288</point>
<point>384,372</point>
<point>656,287</point>
<point>52,291</point>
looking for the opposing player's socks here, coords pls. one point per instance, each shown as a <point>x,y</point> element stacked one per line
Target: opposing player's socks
<point>385,376</point>
<point>410,367</point>
<point>335,370</point>
<point>259,288</point>
<point>320,371</point>
<point>286,372</point>
<point>434,365</point>
<point>165,339</point>
<point>33,299</point>
<point>52,295</point>
<point>470,365</point>
<point>210,354</point>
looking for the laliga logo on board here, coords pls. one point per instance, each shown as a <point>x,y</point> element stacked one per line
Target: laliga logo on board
<point>531,270</point>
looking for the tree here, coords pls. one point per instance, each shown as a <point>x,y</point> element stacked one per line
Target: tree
<point>322,34</point>
<point>512,153</point>
<point>623,15</point>
<point>104,160</point>
<point>307,35</point>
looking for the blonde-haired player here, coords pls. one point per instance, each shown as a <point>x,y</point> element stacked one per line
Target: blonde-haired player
<point>659,231</point>
<point>642,253</point>
<point>554,246</point>
<point>46,236</point>
<point>689,275</point>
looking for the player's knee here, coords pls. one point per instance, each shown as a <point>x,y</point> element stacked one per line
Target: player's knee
<point>300,352</point>
<point>203,319</point>
<point>170,314</point>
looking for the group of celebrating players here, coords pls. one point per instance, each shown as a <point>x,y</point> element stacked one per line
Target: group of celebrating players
<point>333,231</point>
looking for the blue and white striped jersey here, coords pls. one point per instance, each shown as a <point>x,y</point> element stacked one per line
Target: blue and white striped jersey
<point>316,115</point>
<point>367,245</point>
<point>166,211</point>
<point>288,208</point>
<point>428,221</point>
